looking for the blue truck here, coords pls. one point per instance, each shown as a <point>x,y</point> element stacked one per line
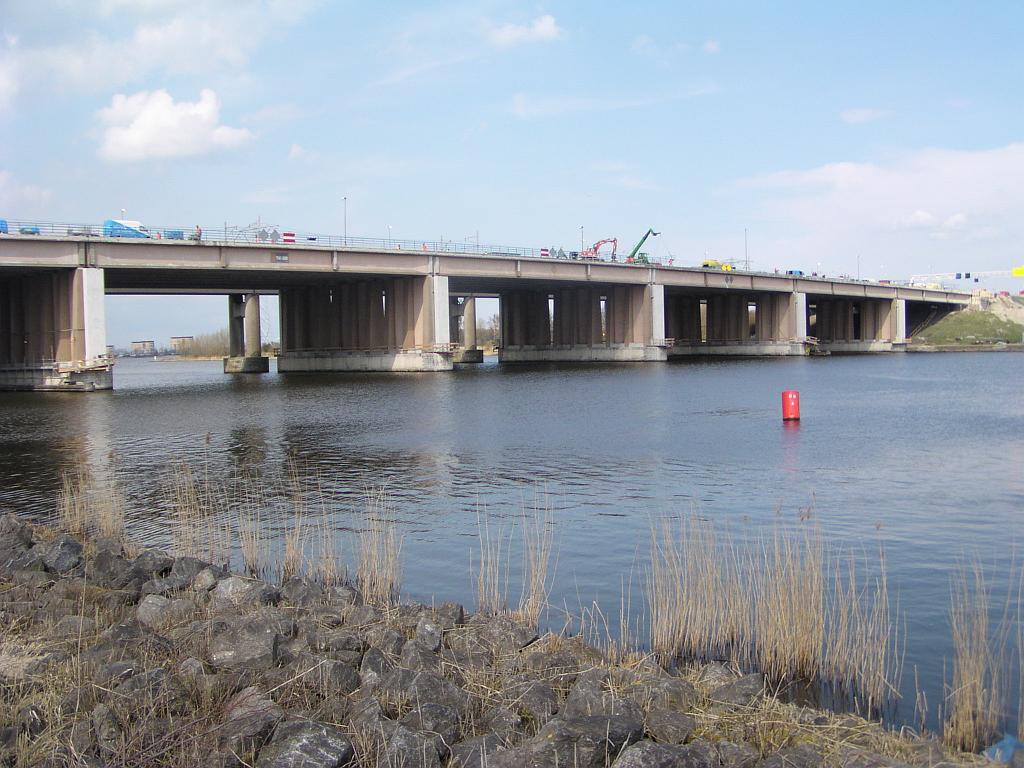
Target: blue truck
<point>124,228</point>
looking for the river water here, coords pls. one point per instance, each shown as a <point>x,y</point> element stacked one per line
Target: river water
<point>922,454</point>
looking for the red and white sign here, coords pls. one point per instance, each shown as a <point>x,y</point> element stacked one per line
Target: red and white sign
<point>545,252</point>
<point>288,237</point>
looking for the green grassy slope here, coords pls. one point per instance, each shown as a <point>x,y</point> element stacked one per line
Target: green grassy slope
<point>971,326</point>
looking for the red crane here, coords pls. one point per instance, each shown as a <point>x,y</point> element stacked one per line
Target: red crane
<point>591,253</point>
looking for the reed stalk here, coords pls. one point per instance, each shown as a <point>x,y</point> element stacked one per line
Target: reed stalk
<point>537,554</point>
<point>379,571</point>
<point>492,569</point>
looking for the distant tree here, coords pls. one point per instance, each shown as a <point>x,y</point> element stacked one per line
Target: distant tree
<point>488,331</point>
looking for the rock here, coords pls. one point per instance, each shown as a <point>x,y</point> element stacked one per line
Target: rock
<point>205,580</point>
<point>533,699</point>
<point>152,563</point>
<point>327,676</point>
<point>373,668</point>
<point>409,749</point>
<point>31,721</point>
<point>188,567</point>
<point>14,533</point>
<point>860,758</point>
<point>8,743</point>
<point>386,639</point>
<point>62,554</point>
<point>800,756</point>
<point>155,611</point>
<point>254,642</point>
<point>300,592</point>
<point>165,585</point>
<point>33,579</point>
<point>423,686</point>
<point>127,640</point>
<point>428,635</point>
<point>437,721</point>
<point>306,744</point>
<point>502,722</point>
<point>250,718</point>
<point>107,729</point>
<point>740,692</point>
<point>343,595</point>
<point>236,593</point>
<point>586,742</point>
<point>82,739</point>
<point>73,626</point>
<point>109,569</point>
<point>341,645</point>
<point>590,695</point>
<point>475,752</point>
<point>669,726</point>
<point>647,754</point>
<point>110,675</point>
<point>80,698</point>
<point>732,755</point>
<point>501,634</point>
<point>553,665</point>
<point>661,691</point>
<point>147,692</point>
<point>715,674</point>
<point>449,616</point>
<point>361,615</point>
<point>415,656</point>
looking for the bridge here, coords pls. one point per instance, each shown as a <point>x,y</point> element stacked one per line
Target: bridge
<point>349,304</point>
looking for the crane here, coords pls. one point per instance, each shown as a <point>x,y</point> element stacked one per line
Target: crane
<point>591,253</point>
<point>633,257</point>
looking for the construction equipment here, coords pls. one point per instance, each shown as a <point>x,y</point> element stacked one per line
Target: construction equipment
<point>592,252</point>
<point>635,257</point>
<point>716,264</point>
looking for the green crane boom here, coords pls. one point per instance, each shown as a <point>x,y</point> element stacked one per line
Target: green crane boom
<point>638,246</point>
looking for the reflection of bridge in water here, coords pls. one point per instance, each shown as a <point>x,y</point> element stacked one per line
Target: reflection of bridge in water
<point>383,306</point>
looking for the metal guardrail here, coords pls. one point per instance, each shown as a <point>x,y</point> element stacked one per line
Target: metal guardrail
<point>274,236</point>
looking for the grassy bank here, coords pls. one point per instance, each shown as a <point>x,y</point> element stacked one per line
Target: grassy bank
<point>972,327</point>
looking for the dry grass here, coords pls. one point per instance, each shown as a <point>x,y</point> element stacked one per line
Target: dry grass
<point>197,515</point>
<point>537,564</point>
<point>977,698</point>
<point>379,570</point>
<point>293,561</point>
<point>86,506</point>
<point>773,606</point>
<point>491,569</point>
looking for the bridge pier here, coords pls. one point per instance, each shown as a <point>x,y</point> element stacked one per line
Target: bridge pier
<point>53,331</point>
<point>726,324</point>
<point>616,323</point>
<point>378,324</point>
<point>464,340</point>
<point>245,347</point>
<point>847,326</point>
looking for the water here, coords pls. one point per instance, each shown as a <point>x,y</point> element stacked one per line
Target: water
<point>920,453</point>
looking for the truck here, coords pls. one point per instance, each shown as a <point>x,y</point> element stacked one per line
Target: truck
<point>124,228</point>
<point>716,264</point>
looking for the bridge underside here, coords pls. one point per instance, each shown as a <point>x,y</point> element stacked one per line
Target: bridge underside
<point>53,336</point>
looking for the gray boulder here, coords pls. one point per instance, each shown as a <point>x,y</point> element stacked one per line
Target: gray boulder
<point>534,699</point>
<point>156,612</point>
<point>301,592</point>
<point>736,755</point>
<point>800,756</point>
<point>647,754</point>
<point>255,642</point>
<point>237,594</point>
<point>415,656</point>
<point>62,554</point>
<point>409,749</point>
<point>670,726</point>
<point>474,752</point>
<point>327,676</point>
<point>436,721</point>
<point>250,717</point>
<point>585,742</point>
<point>740,692</point>
<point>152,563</point>
<point>306,744</point>
<point>422,686</point>
<point>107,729</point>
<point>428,635</point>
<point>374,667</point>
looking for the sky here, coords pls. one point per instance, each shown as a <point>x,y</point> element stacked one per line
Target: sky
<point>879,137</point>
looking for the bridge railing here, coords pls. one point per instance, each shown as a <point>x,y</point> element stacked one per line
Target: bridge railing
<point>277,236</point>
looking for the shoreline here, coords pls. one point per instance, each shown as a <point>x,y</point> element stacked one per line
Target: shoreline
<point>114,656</point>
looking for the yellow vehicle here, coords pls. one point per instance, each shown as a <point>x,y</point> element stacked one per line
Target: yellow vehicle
<point>716,264</point>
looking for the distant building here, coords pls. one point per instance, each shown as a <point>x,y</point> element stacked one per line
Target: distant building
<point>143,348</point>
<point>110,350</point>
<point>180,345</point>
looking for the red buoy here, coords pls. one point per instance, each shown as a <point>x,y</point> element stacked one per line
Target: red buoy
<point>791,405</point>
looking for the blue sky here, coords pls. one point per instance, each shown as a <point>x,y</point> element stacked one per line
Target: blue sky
<point>830,131</point>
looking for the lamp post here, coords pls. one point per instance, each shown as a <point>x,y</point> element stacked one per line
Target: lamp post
<point>389,235</point>
<point>344,201</point>
<point>582,248</point>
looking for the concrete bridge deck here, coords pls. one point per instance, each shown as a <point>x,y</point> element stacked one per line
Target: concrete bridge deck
<point>360,307</point>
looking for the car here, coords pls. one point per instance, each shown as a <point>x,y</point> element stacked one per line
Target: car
<point>80,231</point>
<point>31,229</point>
<point>716,264</point>
<point>3,227</point>
<point>795,272</point>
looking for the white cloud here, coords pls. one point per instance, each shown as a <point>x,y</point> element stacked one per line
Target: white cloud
<point>913,212</point>
<point>862,115</point>
<point>526,107</point>
<point>542,29</point>
<point>711,46</point>
<point>150,124</point>
<point>118,42</point>
<point>16,197</point>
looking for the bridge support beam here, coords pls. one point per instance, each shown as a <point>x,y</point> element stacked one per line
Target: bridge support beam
<point>617,323</point>
<point>379,324</point>
<point>245,347</point>
<point>463,338</point>
<point>53,331</point>
<point>852,326</point>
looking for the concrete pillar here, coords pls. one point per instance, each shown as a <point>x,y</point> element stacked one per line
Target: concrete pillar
<point>253,342</point>
<point>469,322</point>
<point>795,320</point>
<point>899,315</point>
<point>655,308</point>
<point>236,325</point>
<point>438,297</point>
